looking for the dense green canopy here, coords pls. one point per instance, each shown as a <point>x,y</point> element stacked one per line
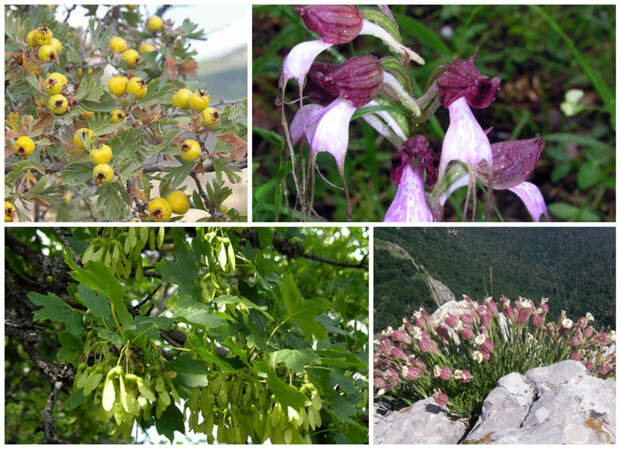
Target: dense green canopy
<point>221,334</point>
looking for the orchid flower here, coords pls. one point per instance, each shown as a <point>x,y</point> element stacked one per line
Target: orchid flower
<point>336,24</point>
<point>354,84</point>
<point>513,163</point>
<point>408,166</point>
<point>460,86</point>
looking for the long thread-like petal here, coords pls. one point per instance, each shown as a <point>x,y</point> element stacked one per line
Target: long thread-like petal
<point>332,131</point>
<point>298,61</point>
<point>409,205</point>
<point>532,198</point>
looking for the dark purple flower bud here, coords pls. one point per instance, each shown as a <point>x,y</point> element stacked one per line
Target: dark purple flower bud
<point>588,366</point>
<point>337,24</point>
<point>513,162</point>
<point>358,79</point>
<point>463,79</point>
<point>416,148</point>
<point>316,80</point>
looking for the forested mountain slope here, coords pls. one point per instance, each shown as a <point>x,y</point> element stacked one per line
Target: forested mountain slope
<point>574,267</point>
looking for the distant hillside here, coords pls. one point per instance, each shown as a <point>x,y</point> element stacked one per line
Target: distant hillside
<point>574,267</point>
<point>226,77</point>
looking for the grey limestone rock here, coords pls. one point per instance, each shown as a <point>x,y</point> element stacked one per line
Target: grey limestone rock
<point>422,423</point>
<point>557,404</point>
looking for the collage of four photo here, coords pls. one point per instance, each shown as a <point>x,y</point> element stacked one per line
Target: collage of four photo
<point>309,224</point>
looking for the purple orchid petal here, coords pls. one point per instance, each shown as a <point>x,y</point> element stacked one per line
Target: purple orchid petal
<point>465,140</point>
<point>331,133</point>
<point>304,121</point>
<point>532,198</point>
<point>337,24</point>
<point>409,205</point>
<point>298,61</point>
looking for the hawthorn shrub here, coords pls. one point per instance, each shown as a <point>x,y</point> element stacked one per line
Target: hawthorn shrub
<point>100,121</point>
<point>224,335</point>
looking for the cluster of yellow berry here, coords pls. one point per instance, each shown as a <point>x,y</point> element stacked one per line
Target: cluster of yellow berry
<point>9,211</point>
<point>119,85</point>
<point>102,172</point>
<point>161,209</point>
<point>196,101</point>
<point>45,44</point>
<point>53,85</point>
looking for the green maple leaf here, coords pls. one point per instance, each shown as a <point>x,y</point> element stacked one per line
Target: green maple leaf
<point>301,311</point>
<point>55,309</point>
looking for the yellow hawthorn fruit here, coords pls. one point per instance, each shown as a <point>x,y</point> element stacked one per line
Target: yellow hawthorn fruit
<point>137,87</point>
<point>199,100</point>
<point>102,174</point>
<point>9,211</point>
<point>118,44</point>
<point>68,197</point>
<point>46,53</point>
<point>117,85</point>
<point>24,146</point>
<point>160,209</point>
<point>56,44</point>
<point>42,102</point>
<point>101,155</point>
<point>82,136</point>
<point>154,24</point>
<point>87,115</point>
<point>54,83</point>
<point>178,202</point>
<point>223,209</point>
<point>43,36</point>
<point>30,38</point>
<point>58,104</point>
<point>117,115</point>
<point>180,99</point>
<point>131,57</point>
<point>190,150</point>
<point>211,116</point>
<point>145,47</point>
